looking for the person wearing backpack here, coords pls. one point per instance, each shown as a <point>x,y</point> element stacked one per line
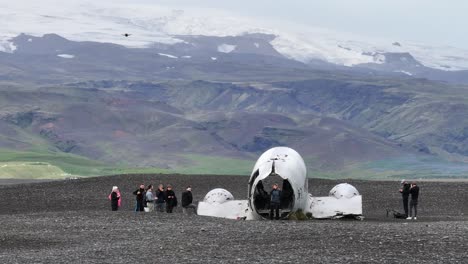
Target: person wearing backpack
<point>140,193</point>
<point>149,199</point>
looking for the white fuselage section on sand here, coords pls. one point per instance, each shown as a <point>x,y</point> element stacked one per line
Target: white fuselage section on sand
<point>285,167</point>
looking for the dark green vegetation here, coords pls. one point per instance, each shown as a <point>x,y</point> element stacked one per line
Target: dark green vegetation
<point>116,110</point>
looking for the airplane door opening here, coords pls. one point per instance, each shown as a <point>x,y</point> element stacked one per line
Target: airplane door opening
<point>261,199</point>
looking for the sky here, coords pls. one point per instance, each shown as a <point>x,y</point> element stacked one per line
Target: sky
<point>439,22</point>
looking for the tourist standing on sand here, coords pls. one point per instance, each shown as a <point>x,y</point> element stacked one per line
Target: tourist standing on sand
<point>139,198</point>
<point>149,199</point>
<point>187,200</point>
<point>171,200</point>
<point>405,191</point>
<point>160,198</point>
<point>414,191</point>
<point>114,197</point>
<point>275,201</point>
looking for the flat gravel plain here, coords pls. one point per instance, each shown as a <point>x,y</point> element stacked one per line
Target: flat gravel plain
<point>71,222</point>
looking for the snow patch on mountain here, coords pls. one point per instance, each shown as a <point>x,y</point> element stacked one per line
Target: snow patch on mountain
<point>306,49</point>
<point>7,46</point>
<point>226,48</point>
<point>167,55</point>
<point>405,72</point>
<point>66,56</point>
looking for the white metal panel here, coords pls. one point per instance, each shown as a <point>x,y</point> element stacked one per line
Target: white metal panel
<point>329,207</point>
<point>236,209</point>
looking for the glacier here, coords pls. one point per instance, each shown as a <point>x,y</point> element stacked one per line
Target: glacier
<point>106,21</point>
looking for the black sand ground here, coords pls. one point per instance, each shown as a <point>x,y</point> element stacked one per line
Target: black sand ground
<point>71,221</point>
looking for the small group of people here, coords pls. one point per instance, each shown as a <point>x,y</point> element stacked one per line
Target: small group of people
<point>410,189</point>
<point>162,199</point>
<point>149,200</point>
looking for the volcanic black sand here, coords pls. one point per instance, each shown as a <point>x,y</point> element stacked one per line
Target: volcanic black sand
<point>70,221</point>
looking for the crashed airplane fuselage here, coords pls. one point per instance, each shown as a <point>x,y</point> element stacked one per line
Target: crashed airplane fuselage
<point>285,167</point>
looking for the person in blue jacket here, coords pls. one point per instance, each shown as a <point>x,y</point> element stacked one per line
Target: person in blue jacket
<point>275,201</point>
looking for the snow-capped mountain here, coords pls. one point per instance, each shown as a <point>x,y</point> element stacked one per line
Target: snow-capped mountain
<point>106,21</point>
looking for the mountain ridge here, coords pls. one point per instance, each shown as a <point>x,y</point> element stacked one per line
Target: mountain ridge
<point>106,22</point>
<point>153,108</point>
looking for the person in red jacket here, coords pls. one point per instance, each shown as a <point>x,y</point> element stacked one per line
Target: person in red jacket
<point>115,198</point>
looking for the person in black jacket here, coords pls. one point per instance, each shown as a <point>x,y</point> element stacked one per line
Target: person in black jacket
<point>140,193</point>
<point>187,200</point>
<point>171,199</point>
<point>414,191</point>
<point>405,191</point>
<point>160,198</point>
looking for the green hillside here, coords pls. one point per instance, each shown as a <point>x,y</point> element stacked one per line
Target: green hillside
<point>123,111</point>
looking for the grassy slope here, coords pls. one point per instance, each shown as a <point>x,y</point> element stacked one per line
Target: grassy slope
<point>30,170</point>
<point>51,165</point>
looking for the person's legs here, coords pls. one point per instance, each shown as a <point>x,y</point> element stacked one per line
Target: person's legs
<point>405,205</point>
<point>150,207</point>
<point>277,211</point>
<point>411,205</point>
<point>415,209</point>
<point>271,211</point>
<point>190,206</point>
<point>169,207</point>
<point>194,207</point>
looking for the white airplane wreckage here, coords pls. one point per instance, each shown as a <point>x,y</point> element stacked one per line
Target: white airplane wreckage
<point>286,167</point>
